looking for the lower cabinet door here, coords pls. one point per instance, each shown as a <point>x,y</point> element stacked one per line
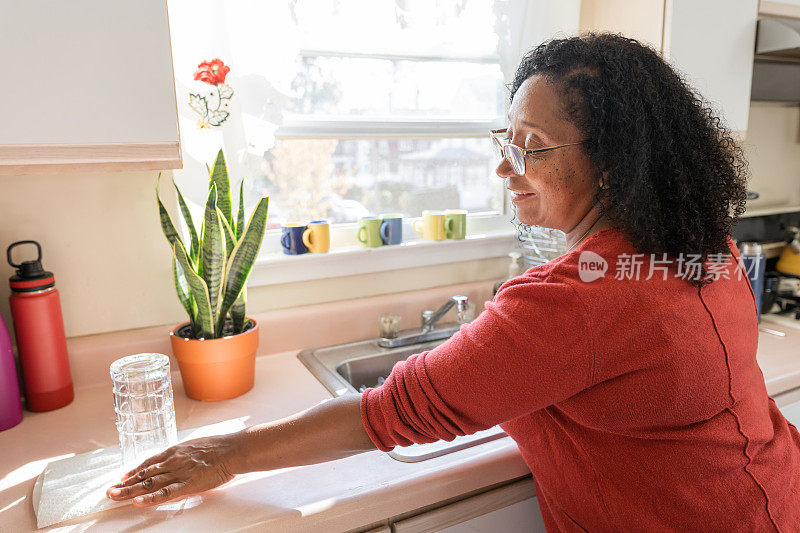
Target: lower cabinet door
<point>509,509</point>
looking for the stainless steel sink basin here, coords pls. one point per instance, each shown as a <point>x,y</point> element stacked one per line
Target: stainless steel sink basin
<point>351,368</point>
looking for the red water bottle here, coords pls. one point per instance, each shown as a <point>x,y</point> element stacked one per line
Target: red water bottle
<point>39,327</point>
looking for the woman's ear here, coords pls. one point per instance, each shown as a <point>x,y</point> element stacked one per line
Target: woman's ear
<point>602,179</point>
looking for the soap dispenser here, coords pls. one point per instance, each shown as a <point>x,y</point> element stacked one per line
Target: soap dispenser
<point>515,268</point>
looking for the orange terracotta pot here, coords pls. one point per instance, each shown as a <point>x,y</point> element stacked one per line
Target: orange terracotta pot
<point>216,369</point>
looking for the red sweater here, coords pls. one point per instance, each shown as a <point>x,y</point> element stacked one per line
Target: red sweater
<point>637,404</point>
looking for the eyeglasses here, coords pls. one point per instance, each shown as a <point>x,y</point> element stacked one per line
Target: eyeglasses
<point>516,155</point>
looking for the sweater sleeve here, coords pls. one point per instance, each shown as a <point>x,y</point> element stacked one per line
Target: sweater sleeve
<point>530,348</point>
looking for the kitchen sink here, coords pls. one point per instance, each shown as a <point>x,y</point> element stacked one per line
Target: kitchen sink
<point>351,368</point>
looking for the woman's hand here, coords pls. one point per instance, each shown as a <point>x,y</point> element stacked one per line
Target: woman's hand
<point>180,471</point>
<point>331,430</point>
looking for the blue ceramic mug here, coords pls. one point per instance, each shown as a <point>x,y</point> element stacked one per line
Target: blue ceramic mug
<point>292,239</point>
<point>392,229</point>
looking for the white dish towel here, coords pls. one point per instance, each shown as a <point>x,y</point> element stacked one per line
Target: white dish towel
<point>76,486</point>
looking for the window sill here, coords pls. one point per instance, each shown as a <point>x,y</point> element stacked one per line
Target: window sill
<point>280,268</point>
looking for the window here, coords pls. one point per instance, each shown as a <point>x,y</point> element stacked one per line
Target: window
<point>343,179</point>
<point>344,108</point>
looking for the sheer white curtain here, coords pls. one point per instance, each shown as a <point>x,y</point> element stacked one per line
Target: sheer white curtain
<point>523,24</point>
<point>255,39</point>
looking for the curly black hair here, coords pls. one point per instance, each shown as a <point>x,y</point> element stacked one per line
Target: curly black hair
<point>674,178</point>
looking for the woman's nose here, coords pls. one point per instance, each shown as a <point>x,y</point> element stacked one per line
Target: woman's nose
<point>505,169</point>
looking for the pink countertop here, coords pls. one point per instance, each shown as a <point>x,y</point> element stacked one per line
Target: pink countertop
<point>336,496</point>
<point>779,357</point>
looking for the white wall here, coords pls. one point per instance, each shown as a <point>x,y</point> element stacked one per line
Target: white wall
<point>772,147</point>
<point>101,237</point>
<point>642,20</point>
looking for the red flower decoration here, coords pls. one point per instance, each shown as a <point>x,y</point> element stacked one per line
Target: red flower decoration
<point>212,72</point>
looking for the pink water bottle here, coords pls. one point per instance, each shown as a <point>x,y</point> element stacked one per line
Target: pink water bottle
<point>10,403</point>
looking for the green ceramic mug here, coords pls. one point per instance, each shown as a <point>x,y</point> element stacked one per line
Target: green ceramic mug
<point>369,232</point>
<point>455,223</point>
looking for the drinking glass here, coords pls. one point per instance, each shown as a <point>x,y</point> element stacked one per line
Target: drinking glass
<point>143,405</point>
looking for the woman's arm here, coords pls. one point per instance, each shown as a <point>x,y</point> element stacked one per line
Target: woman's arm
<point>328,431</point>
<point>532,347</point>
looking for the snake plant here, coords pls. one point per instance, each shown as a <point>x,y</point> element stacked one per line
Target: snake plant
<point>210,275</point>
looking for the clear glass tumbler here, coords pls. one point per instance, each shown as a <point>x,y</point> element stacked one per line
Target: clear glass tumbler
<point>143,405</point>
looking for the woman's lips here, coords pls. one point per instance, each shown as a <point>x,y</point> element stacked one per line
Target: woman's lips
<point>519,196</point>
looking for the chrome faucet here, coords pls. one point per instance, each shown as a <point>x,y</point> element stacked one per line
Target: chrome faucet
<point>428,331</point>
<point>430,318</point>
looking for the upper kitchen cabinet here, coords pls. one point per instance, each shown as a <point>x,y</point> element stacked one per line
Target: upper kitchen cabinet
<point>87,85</point>
<point>710,43</point>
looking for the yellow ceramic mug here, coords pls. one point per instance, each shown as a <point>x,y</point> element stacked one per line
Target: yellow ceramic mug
<point>431,226</point>
<point>317,237</point>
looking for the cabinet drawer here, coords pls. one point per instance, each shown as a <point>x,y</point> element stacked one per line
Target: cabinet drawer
<point>509,509</point>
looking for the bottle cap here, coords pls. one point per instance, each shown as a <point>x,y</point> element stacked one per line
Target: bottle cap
<point>30,276</point>
<point>751,248</point>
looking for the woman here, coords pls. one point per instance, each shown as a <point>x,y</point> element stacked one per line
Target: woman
<point>625,370</point>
